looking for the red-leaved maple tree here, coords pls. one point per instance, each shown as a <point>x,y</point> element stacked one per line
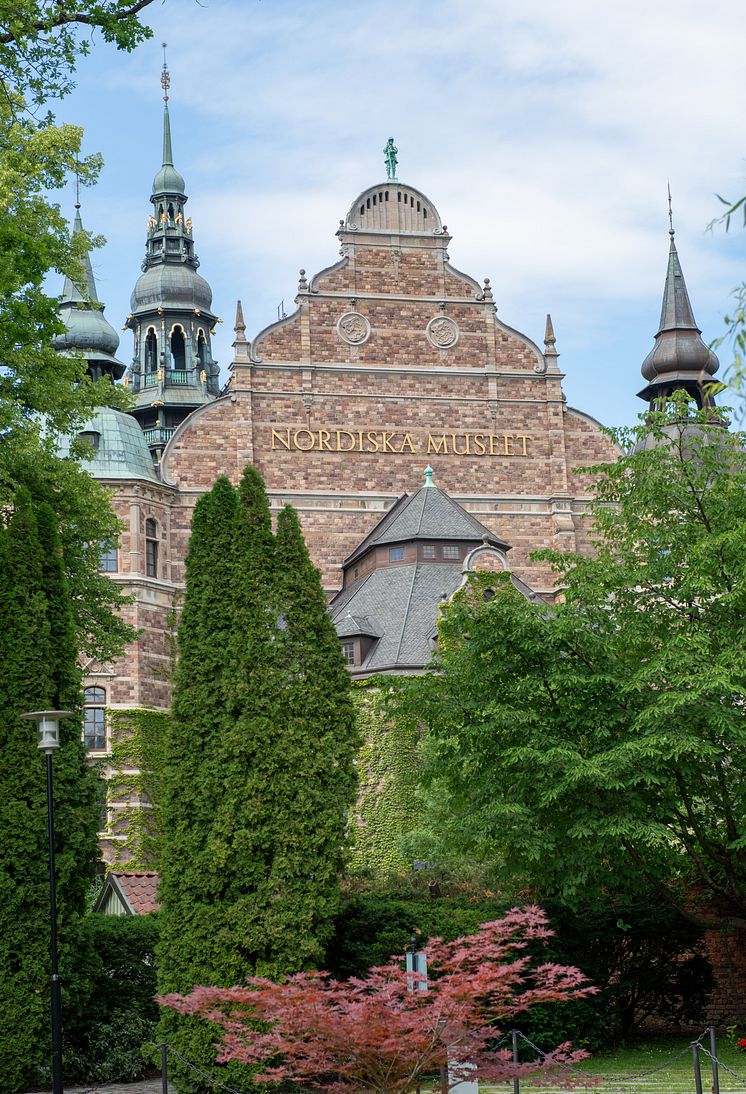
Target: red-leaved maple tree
<point>377,1034</point>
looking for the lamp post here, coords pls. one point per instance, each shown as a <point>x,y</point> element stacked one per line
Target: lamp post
<point>48,729</point>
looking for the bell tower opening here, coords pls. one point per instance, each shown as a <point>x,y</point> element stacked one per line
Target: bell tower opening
<point>151,351</point>
<point>178,349</point>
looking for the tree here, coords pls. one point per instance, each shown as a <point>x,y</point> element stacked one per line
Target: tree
<point>602,741</point>
<point>38,650</point>
<point>40,44</point>
<point>381,1032</point>
<point>189,948</point>
<point>258,764</point>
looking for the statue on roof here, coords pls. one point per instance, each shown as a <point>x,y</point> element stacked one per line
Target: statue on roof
<point>390,153</point>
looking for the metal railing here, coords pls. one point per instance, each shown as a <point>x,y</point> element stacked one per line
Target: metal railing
<point>159,435</point>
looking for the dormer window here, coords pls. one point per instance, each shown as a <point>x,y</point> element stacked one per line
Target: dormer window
<point>348,652</point>
<point>451,550</point>
<point>396,554</point>
<point>428,550</point>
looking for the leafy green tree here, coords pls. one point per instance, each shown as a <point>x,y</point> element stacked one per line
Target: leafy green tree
<point>602,741</point>
<point>40,42</point>
<point>259,764</point>
<point>38,651</point>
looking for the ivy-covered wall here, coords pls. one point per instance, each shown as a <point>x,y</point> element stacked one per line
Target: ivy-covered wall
<point>387,806</point>
<point>133,788</point>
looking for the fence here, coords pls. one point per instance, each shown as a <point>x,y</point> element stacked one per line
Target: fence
<point>706,1073</point>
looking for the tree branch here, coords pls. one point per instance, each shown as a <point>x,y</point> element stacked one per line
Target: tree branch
<point>62,18</point>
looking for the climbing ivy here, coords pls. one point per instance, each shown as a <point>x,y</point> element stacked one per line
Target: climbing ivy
<point>137,758</point>
<point>387,806</point>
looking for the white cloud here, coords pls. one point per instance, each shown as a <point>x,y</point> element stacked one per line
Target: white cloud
<point>544,133</point>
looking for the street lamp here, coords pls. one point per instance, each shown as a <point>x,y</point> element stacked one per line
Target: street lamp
<point>48,729</point>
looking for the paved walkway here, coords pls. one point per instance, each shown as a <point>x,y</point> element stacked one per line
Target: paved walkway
<point>147,1086</point>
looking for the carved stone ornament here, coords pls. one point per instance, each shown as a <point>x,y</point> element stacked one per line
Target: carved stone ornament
<point>353,328</point>
<point>442,332</point>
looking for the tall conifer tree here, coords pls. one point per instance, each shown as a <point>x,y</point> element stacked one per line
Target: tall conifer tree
<point>317,740</point>
<point>272,778</point>
<point>189,886</point>
<point>37,651</point>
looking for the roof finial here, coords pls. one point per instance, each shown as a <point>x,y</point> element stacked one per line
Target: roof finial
<point>670,211</point>
<point>239,326</point>
<point>390,158</point>
<point>77,183</point>
<point>165,77</point>
<point>429,476</point>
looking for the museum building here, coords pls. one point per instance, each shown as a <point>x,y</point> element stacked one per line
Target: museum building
<point>417,435</point>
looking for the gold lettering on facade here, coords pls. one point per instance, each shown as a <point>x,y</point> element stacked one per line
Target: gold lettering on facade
<point>340,433</point>
<point>284,441</point>
<point>297,444</point>
<point>390,441</point>
<point>437,444</point>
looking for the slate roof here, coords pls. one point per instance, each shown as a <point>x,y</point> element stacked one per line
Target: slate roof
<point>428,514</point>
<point>403,603</point>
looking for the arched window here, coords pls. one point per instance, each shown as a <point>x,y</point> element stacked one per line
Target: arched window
<point>151,351</point>
<point>202,350</point>
<point>178,349</point>
<point>170,211</point>
<point>151,548</point>
<point>94,726</point>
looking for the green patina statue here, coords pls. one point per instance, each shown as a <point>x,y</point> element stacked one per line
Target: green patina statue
<point>389,155</point>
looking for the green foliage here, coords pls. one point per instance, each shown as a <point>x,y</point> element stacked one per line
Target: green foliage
<point>635,948</point>
<point>38,648</point>
<point>259,771</point>
<point>387,807</point>
<point>120,1015</point>
<point>602,740</point>
<point>40,42</point>
<point>377,917</point>
<point>137,757</point>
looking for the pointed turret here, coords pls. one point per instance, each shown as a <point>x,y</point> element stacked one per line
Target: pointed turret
<point>679,360</point>
<point>173,371</point>
<point>87,332</point>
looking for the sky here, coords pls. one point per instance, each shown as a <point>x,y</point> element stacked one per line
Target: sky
<point>544,133</point>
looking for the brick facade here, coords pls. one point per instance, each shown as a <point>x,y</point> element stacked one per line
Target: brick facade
<point>393,360</point>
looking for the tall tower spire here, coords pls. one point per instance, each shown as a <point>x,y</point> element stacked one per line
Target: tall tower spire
<point>679,360</point>
<point>173,371</point>
<point>87,332</point>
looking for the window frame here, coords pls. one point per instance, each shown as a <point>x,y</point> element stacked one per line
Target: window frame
<point>95,728</point>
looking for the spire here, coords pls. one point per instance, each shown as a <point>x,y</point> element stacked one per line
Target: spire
<point>429,476</point>
<point>72,293</point>
<point>679,360</point>
<point>239,326</point>
<point>168,180</point>
<point>87,331</point>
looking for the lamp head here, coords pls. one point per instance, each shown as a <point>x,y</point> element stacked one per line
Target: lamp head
<point>48,727</point>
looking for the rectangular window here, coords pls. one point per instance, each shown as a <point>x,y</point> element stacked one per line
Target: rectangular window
<point>151,557</point>
<point>451,550</point>
<point>428,550</point>
<point>94,731</point>
<point>348,652</point>
<point>396,554</point>
<point>107,560</point>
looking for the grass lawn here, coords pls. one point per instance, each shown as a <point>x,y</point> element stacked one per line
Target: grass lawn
<point>624,1069</point>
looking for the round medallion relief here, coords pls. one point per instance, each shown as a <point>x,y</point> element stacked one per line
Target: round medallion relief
<point>442,332</point>
<point>353,328</point>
